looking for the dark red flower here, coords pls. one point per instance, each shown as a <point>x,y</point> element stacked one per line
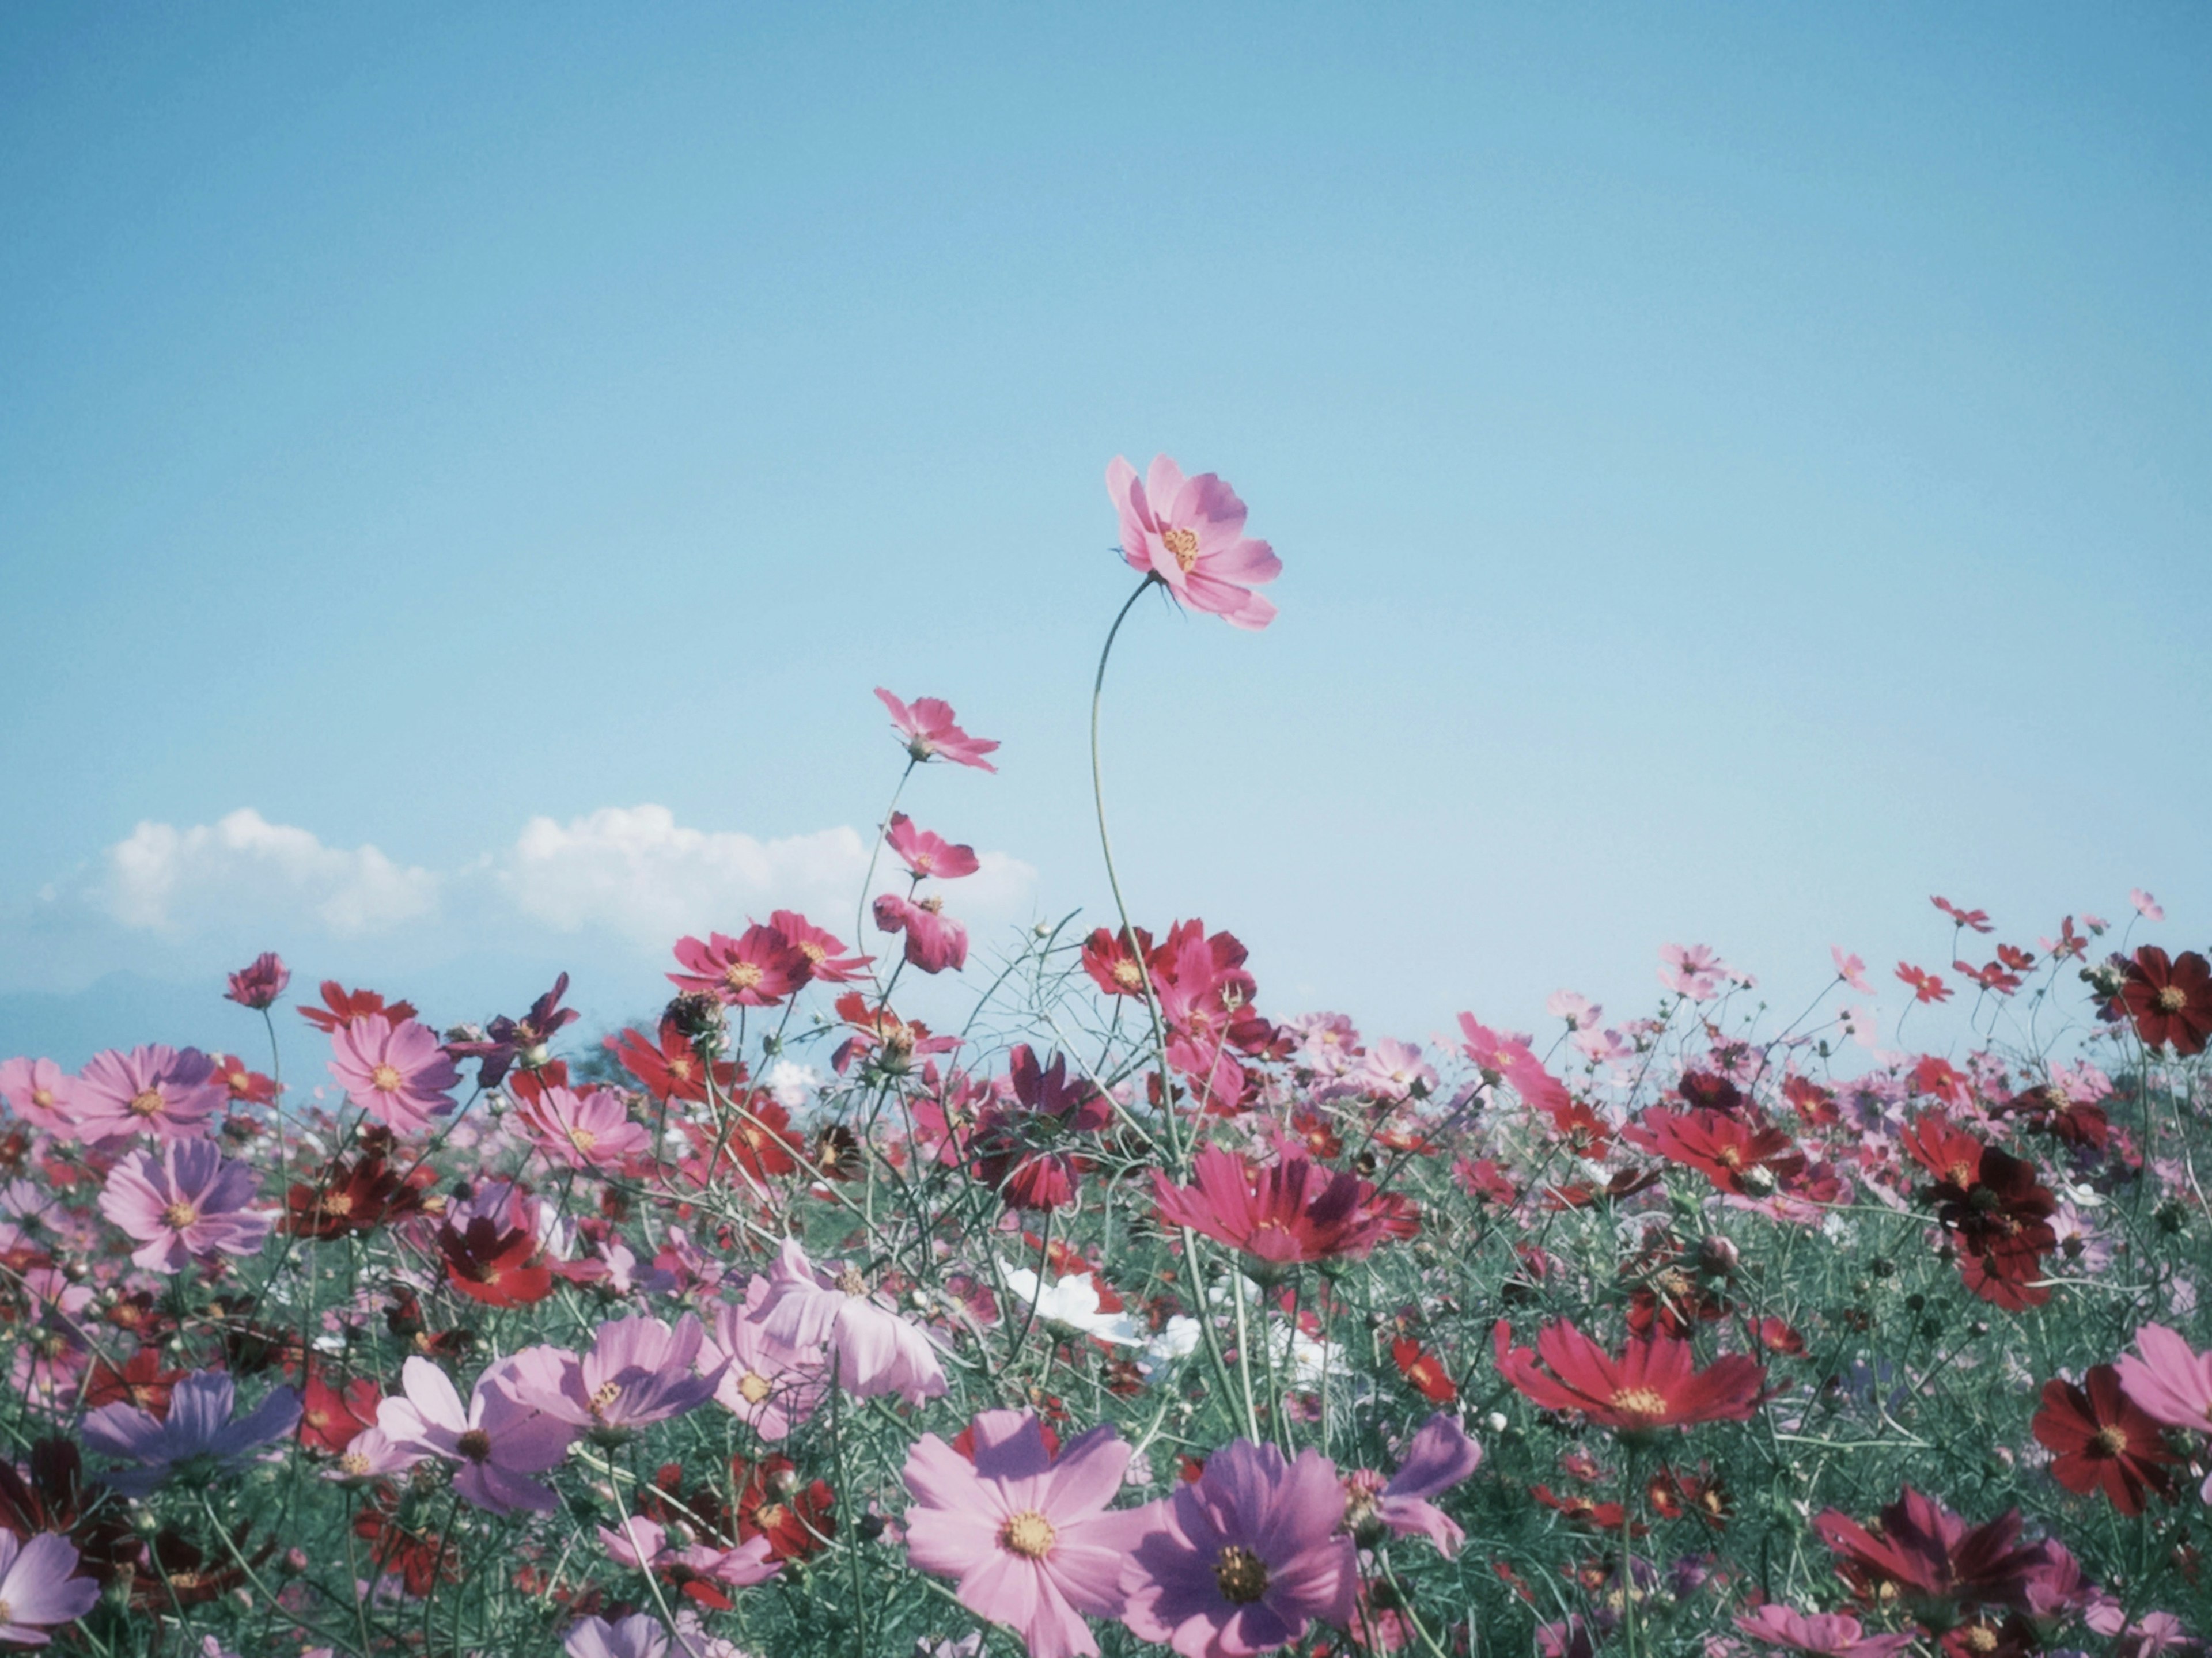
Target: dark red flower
<point>140,1382</point>
<point>498,1267</point>
<point>355,1198</point>
<point>1736,1155</point>
<point>248,1086</point>
<point>1289,1212</point>
<point>1939,1566</point>
<point>2104,1441</point>
<point>773,1503</point>
<point>330,1416</point>
<point>2171,1001</point>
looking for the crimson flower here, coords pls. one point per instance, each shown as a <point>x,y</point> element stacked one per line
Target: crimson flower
<point>499,1267</point>
<point>330,1416</point>
<point>757,969</point>
<point>1941,1567</point>
<point>668,1066</point>
<point>826,960</point>
<point>1116,962</point>
<point>1288,1212</point>
<point>1996,1211</point>
<point>2104,1440</point>
<point>1736,1155</point>
<point>509,1042</point>
<point>248,1086</point>
<point>1979,919</point>
<point>1652,1385</point>
<point>927,852</point>
<point>1424,1371</point>
<point>2171,1001</point>
<point>359,1197</point>
<point>1926,987</point>
<point>342,1006</point>
<point>260,982</point>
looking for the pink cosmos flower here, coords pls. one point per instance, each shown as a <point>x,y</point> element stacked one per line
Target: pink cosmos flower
<point>767,1384</point>
<point>1576,1009</point>
<point>1244,1558</point>
<point>934,941</point>
<point>927,852</point>
<point>497,1439</point>
<point>1692,970</point>
<point>398,1073</point>
<point>1440,1456</point>
<point>1830,1634</point>
<point>1189,533</point>
<point>40,1092</point>
<point>642,1544</point>
<point>1850,970</point>
<point>1512,1059</point>
<point>40,1589</point>
<point>165,1092</point>
<point>260,983</point>
<point>2170,1381</point>
<point>638,1371</point>
<point>2147,906</point>
<point>187,1202</point>
<point>826,960</point>
<point>757,969</point>
<point>590,1130</point>
<point>641,1635</point>
<point>927,725</point>
<point>1028,1535</point>
<point>871,1349</point>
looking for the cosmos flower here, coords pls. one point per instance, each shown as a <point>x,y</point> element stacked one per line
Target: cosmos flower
<point>767,1384</point>
<point>928,724</point>
<point>398,1073</point>
<point>260,983</point>
<point>1439,1457</point>
<point>165,1092</point>
<point>1189,534</point>
<point>927,853</point>
<point>758,969</point>
<point>1941,1566</point>
<point>1826,1635</point>
<point>1244,1558</point>
<point>2170,999</point>
<point>826,961</point>
<point>639,1371</point>
<point>1027,1532</point>
<point>185,1203</point>
<point>1652,1385</point>
<point>592,1130</point>
<point>934,941</point>
<point>199,1425</point>
<point>1290,1211</point>
<point>496,1440</point>
<point>38,1091</point>
<point>1692,970</point>
<point>2104,1440</point>
<point>40,1590</point>
<point>870,1348</point>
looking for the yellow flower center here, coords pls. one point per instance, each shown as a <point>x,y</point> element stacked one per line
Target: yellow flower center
<point>387,1079</point>
<point>353,1465</point>
<point>1129,975</point>
<point>814,952</point>
<point>1642,1404</point>
<point>180,1215</point>
<point>42,1097</point>
<point>1183,544</point>
<point>1242,1574</point>
<point>603,1395</point>
<point>742,975</point>
<point>2171,1000</point>
<point>753,1386</point>
<point>2111,1440</point>
<point>1029,1534</point>
<point>1981,1638</point>
<point>583,1139</point>
<point>851,1283</point>
<point>146,1104</point>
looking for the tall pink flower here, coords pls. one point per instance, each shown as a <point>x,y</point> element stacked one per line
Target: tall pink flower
<point>757,970</point>
<point>824,951</point>
<point>934,941</point>
<point>40,1092</point>
<point>1692,970</point>
<point>1028,1535</point>
<point>497,1440</point>
<point>398,1073</point>
<point>185,1203</point>
<point>165,1091</point>
<point>927,852</point>
<point>1244,1558</point>
<point>40,1590</point>
<point>590,1130</point>
<point>1189,532</point>
<point>927,725</point>
<point>766,1383</point>
<point>2170,1381</point>
<point>871,1348</point>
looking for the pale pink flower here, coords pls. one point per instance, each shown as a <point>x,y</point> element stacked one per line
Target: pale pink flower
<point>1189,532</point>
<point>770,1385</point>
<point>40,1590</point>
<point>2147,906</point>
<point>1029,1536</point>
<point>165,1092</point>
<point>1692,970</point>
<point>927,725</point>
<point>638,1371</point>
<point>1851,970</point>
<point>871,1349</point>
<point>1576,1009</point>
<point>38,1091</point>
<point>396,1074</point>
<point>187,1202</point>
<point>592,1130</point>
<point>642,1544</point>
<point>927,852</point>
<point>496,1440</point>
<point>1831,1634</point>
<point>2171,1381</point>
<point>1391,1070</point>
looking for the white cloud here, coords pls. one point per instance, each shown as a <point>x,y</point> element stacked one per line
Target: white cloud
<point>175,881</point>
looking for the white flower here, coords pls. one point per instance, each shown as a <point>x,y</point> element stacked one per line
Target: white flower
<point>1074,1304</point>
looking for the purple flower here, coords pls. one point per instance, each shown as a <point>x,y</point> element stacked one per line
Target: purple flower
<point>641,1635</point>
<point>259,984</point>
<point>1244,1558</point>
<point>497,1439</point>
<point>199,1426</point>
<point>187,1202</point>
<point>508,1042</point>
<point>1441,1456</point>
<point>871,1349</point>
<point>38,1587</point>
<point>167,1092</point>
<point>638,1371</point>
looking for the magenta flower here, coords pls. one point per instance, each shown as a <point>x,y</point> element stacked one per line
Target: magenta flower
<point>1829,1635</point>
<point>927,725</point>
<point>758,969</point>
<point>590,1130</point>
<point>259,984</point>
<point>187,1202</point>
<point>1244,1558</point>
<point>40,1092</point>
<point>871,1349</point>
<point>638,1371</point>
<point>396,1074</point>
<point>927,852</point>
<point>824,951</point>
<point>770,1385</point>
<point>641,1635</point>
<point>199,1429</point>
<point>1029,1537</point>
<point>642,1544</point>
<point>497,1440</point>
<point>934,941</point>
<point>1440,1456</point>
<point>40,1590</point>
<point>2171,1382</point>
<point>165,1091</point>
<point>1189,533</point>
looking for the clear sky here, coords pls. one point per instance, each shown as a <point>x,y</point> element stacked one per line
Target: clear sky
<point>1737,470</point>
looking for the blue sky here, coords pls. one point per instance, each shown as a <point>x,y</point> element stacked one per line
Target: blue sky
<point>1737,470</point>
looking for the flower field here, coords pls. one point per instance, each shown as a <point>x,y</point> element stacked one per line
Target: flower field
<point>1137,1314</point>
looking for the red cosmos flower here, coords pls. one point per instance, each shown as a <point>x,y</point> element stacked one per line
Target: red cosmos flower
<point>342,1006</point>
<point>1651,1386</point>
<point>142,1381</point>
<point>826,961</point>
<point>667,1066</point>
<point>1979,919</point>
<point>758,969</point>
<point>248,1086</point>
<point>1584,1510</point>
<point>878,1030</point>
<point>356,1199</point>
<point>927,852</point>
<point>331,1417</point>
<point>773,1502</point>
<point>1424,1371</point>
<point>2013,957</point>
<point>1112,961</point>
<point>1940,1567</point>
<point>2171,1001</point>
<point>1736,1155</point>
<point>1288,1212</point>
<point>498,1267</point>
<point>1926,987</point>
<point>419,1559</point>
<point>1994,1208</point>
<point>2104,1440</point>
<point>1994,976</point>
